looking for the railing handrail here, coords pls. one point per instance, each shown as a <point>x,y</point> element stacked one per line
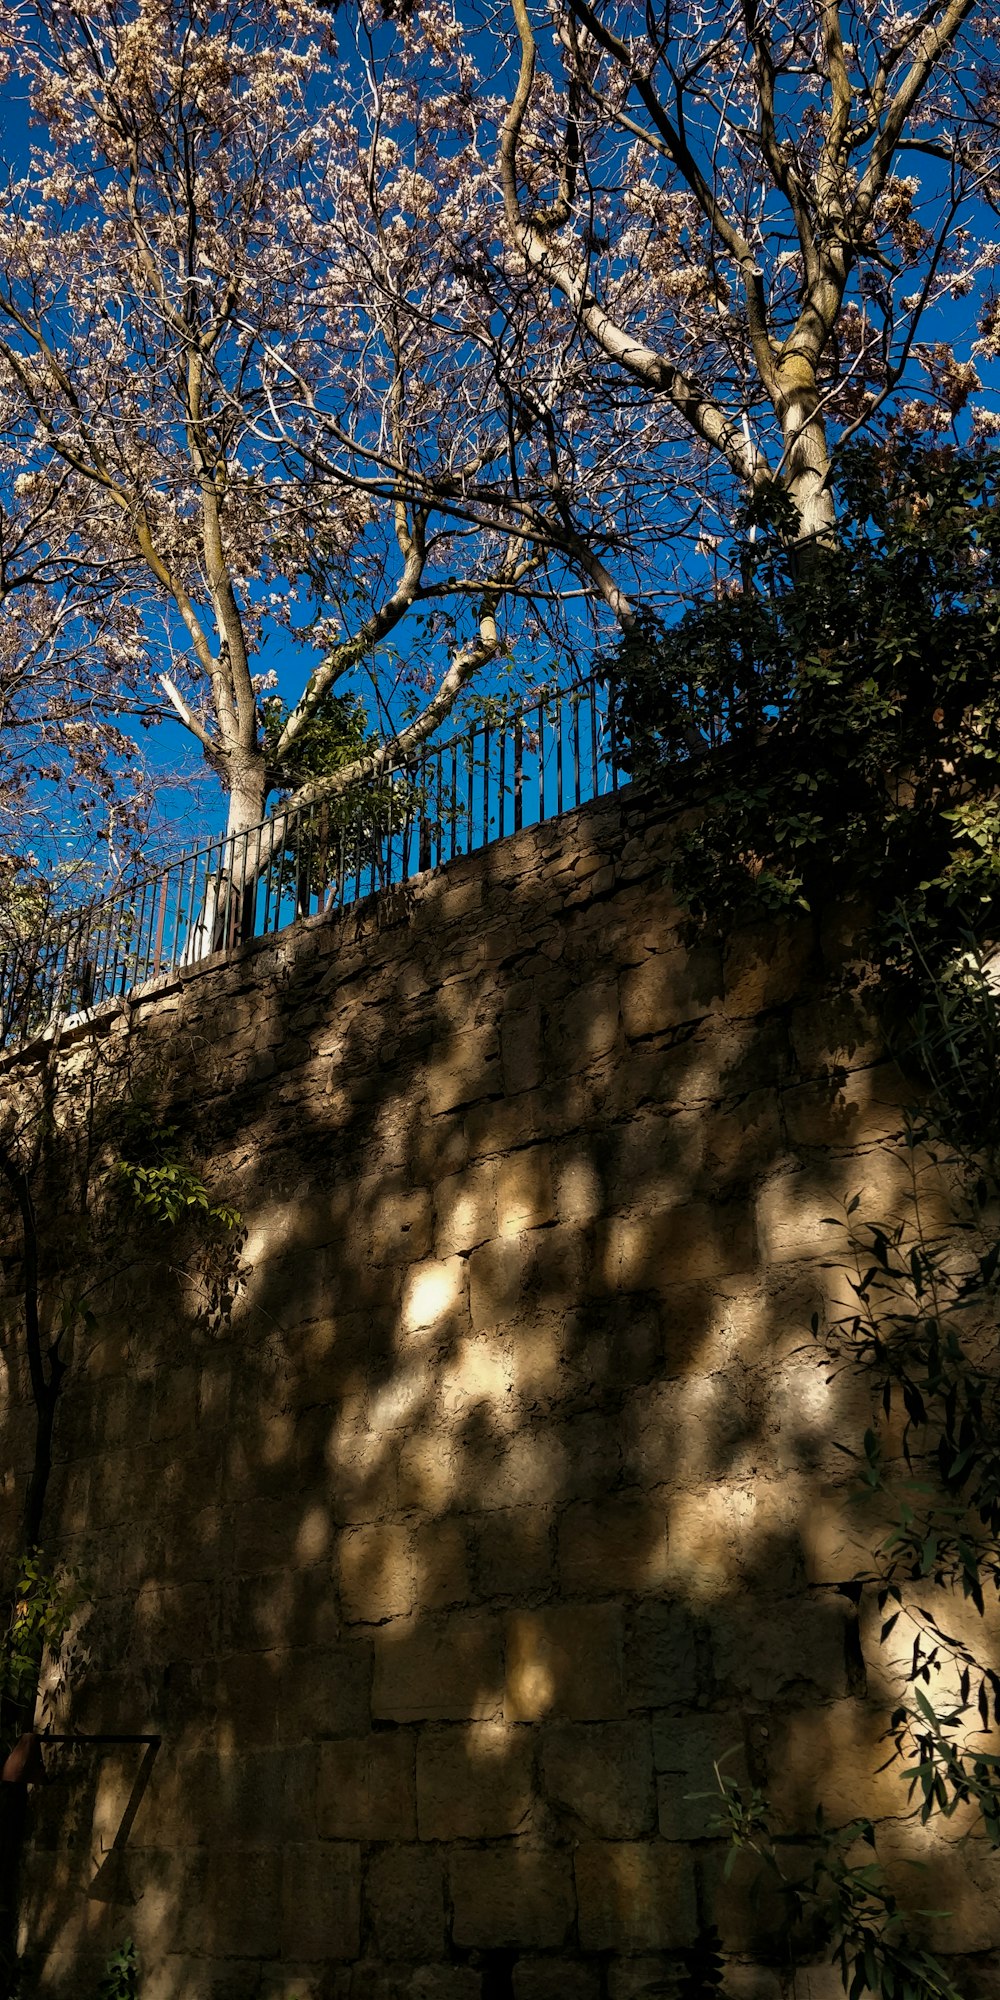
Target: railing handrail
<point>133,884</point>
<point>236,886</point>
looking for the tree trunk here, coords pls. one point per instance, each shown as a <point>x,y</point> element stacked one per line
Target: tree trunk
<point>807,454</point>
<point>247,786</point>
<point>222,919</point>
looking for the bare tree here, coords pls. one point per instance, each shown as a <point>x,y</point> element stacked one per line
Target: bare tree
<point>231,315</point>
<point>715,190</point>
<point>426,337</point>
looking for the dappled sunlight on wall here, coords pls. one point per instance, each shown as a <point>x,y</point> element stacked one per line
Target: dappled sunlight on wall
<point>451,1541</point>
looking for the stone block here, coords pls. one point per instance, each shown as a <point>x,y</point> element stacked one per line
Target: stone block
<point>557,1267</point>
<point>634,1896</point>
<point>837,1029</point>
<point>376,1572</point>
<point>511,1898</point>
<point>281,1608</point>
<point>854,1108</point>
<point>564,1660</point>
<point>248,1691</point>
<point>514,1552</point>
<point>663,1656</point>
<point>475,1376</point>
<point>765,966</point>
<point>580,1194</point>
<point>800,1211</point>
<point>434,1295</point>
<point>320,1902</point>
<point>525,1197</point>
<point>615,1545</point>
<point>599,1775</point>
<point>521,1053</point>
<point>741,1142</point>
<point>468,1071</point>
<point>432,1475</point>
<point>789,1650</point>
<point>175,1404</point>
<point>651,1160</point>
<point>585,1027</point>
<point>965,1872</point>
<point>404,1903</point>
<point>441,1564</point>
<point>556,1979</point>
<point>450,1671</point>
<point>638,1253</point>
<point>686,1749</point>
<point>761,1982</point>
<point>834,1757</point>
<point>465,1209</point>
<point>241,1913</point>
<point>668,989</point>
<point>326,1691</point>
<point>497,1276</point>
<point>840,1533</point>
<point>474,1783</point>
<point>538,1347</point>
<point>748,1906</point>
<point>365,1787</point>
<point>396,1226</point>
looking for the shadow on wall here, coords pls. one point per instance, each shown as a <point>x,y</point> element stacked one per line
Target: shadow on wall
<point>504,1498</point>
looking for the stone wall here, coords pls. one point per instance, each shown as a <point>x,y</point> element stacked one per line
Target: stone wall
<point>451,1540</point>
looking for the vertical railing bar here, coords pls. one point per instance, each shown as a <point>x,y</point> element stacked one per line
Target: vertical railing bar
<point>237,928</point>
<point>111,933</point>
<point>454,797</point>
<point>273,875</point>
<point>100,963</point>
<point>503,782</point>
<point>423,838</point>
<point>594,766</point>
<point>140,932</point>
<point>389,833</point>
<point>254,897</point>
<point>613,734</point>
<point>265,915</point>
<point>559,754</point>
<point>160,918</point>
<point>220,914</point>
<point>518,771</point>
<point>486,786</point>
<point>251,896</point>
<point>541,761</point>
<point>356,898</point>
<point>280,890</point>
<point>471,774</point>
<point>576,751</point>
<point>126,937</point>
<point>192,895</point>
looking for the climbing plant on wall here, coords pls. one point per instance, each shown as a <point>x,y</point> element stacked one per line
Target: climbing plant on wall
<point>127,1181</point>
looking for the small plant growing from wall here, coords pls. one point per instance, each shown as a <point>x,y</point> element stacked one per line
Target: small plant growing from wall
<point>121,1980</point>
<point>165,1188</point>
<point>43,1611</point>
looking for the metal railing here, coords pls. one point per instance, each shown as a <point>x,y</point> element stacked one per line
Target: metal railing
<point>504,772</point>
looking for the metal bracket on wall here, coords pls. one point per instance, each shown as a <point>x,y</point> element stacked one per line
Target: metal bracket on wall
<point>26,1766</point>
